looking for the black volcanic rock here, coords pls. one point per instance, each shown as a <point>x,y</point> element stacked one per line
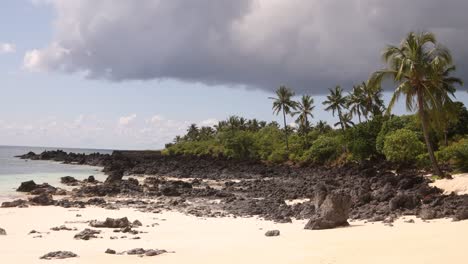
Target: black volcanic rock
<point>42,199</point>
<point>27,186</point>
<point>112,223</point>
<point>59,255</point>
<point>333,212</point>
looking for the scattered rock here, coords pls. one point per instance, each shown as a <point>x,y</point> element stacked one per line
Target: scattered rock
<point>2,232</point>
<point>69,180</point>
<point>87,234</point>
<point>272,233</point>
<point>111,223</point>
<point>59,255</point>
<point>148,252</point>
<point>15,203</point>
<point>42,199</point>
<point>62,227</point>
<point>91,179</point>
<point>110,251</point>
<point>409,221</point>
<point>137,223</point>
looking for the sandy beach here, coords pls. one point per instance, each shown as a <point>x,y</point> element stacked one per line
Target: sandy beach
<point>228,240</point>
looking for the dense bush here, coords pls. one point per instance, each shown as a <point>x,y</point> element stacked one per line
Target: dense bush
<point>455,154</point>
<point>402,146</point>
<point>361,139</point>
<point>324,149</point>
<point>239,145</point>
<point>392,124</point>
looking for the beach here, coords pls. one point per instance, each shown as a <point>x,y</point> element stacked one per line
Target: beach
<point>228,240</point>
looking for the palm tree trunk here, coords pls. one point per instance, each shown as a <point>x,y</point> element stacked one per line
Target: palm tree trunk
<point>285,130</point>
<point>341,120</point>
<point>422,116</point>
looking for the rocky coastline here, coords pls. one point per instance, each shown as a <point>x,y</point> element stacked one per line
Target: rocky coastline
<point>209,187</point>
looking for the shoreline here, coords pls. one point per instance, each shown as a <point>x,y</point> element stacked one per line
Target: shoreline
<point>229,240</point>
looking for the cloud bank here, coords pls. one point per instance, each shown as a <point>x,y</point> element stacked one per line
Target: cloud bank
<point>7,48</point>
<point>92,131</point>
<point>310,45</point>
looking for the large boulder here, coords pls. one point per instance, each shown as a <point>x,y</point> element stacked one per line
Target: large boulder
<point>27,186</point>
<point>333,211</point>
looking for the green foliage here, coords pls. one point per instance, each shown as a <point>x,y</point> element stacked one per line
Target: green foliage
<point>323,150</point>
<point>196,148</point>
<point>455,154</point>
<point>392,124</point>
<point>361,139</point>
<point>239,144</point>
<point>270,144</point>
<point>402,146</point>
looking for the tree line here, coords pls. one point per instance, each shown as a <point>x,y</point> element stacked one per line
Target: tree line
<point>422,73</point>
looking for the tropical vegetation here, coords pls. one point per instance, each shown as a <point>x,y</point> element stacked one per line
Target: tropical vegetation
<point>434,132</point>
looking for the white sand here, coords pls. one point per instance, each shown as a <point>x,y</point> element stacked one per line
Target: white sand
<point>458,185</point>
<point>229,240</point>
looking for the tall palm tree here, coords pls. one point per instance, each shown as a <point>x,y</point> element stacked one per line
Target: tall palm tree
<point>336,102</point>
<point>356,101</point>
<point>417,67</point>
<point>373,102</point>
<point>284,103</point>
<point>446,114</point>
<point>304,110</point>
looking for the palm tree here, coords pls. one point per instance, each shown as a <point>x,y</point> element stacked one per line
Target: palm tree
<point>192,133</point>
<point>446,114</point>
<point>373,102</point>
<point>336,102</point>
<point>304,110</point>
<point>322,126</point>
<point>417,67</point>
<point>357,101</point>
<point>346,120</point>
<point>284,103</point>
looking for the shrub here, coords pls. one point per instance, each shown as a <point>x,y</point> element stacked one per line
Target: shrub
<point>392,124</point>
<point>402,146</point>
<point>239,145</point>
<point>361,139</point>
<point>455,154</point>
<point>324,149</point>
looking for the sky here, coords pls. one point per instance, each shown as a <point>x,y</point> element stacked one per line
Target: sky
<point>134,74</point>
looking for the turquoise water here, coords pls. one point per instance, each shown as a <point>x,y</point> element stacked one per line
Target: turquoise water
<point>13,170</point>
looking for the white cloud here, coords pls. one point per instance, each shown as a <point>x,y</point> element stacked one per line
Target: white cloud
<point>126,120</point>
<point>209,122</point>
<point>7,48</point>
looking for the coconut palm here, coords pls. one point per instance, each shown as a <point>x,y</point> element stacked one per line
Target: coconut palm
<point>192,132</point>
<point>356,101</point>
<point>284,103</point>
<point>346,120</point>
<point>322,126</point>
<point>417,67</point>
<point>304,110</point>
<point>336,103</point>
<point>373,102</point>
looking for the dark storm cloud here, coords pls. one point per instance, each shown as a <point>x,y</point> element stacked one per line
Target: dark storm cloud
<point>310,45</point>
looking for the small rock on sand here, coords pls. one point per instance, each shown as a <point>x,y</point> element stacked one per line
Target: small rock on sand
<point>87,234</point>
<point>2,232</point>
<point>110,251</point>
<point>59,255</point>
<point>272,233</point>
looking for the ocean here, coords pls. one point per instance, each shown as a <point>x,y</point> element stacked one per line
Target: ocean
<point>13,170</point>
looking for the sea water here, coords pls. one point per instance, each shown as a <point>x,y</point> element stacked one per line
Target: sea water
<point>13,170</point>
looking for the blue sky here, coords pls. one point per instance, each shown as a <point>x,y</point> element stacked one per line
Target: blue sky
<point>69,109</point>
